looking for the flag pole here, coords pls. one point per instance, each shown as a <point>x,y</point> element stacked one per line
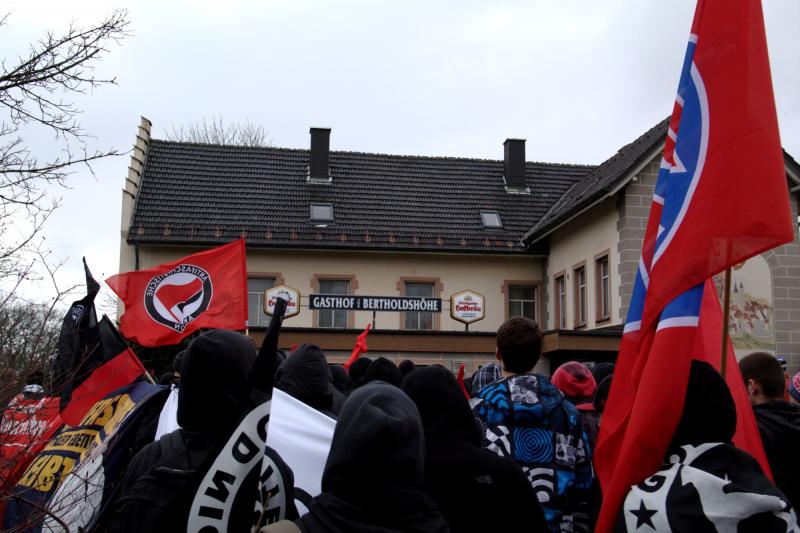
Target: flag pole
<point>726,312</point>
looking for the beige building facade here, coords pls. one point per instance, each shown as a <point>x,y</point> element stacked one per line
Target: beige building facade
<point>556,243</point>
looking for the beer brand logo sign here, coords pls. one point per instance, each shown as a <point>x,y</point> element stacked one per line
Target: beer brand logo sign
<point>176,298</point>
<point>467,307</point>
<point>292,297</point>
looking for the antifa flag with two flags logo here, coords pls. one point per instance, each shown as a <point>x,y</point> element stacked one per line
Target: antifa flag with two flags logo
<point>166,303</point>
<point>248,481</point>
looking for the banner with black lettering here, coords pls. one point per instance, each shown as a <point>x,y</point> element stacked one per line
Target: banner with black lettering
<point>248,484</point>
<point>76,474</point>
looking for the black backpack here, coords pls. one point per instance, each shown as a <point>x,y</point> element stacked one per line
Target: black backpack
<point>159,499</point>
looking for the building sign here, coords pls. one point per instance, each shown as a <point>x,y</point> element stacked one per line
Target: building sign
<point>291,295</point>
<point>375,303</point>
<point>467,307</point>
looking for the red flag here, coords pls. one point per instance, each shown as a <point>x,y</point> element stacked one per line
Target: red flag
<point>166,303</point>
<point>721,197</point>
<point>107,365</point>
<point>28,424</point>
<point>460,380</point>
<point>361,346</point>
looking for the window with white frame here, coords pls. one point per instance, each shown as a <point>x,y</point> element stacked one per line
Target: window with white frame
<point>255,301</point>
<point>333,318</point>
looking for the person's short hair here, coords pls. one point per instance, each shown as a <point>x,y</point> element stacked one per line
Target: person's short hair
<point>519,343</point>
<point>766,370</point>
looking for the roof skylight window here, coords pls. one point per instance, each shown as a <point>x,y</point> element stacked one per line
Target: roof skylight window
<point>321,214</point>
<point>491,219</point>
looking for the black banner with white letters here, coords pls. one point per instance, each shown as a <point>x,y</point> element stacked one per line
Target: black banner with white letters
<point>374,303</point>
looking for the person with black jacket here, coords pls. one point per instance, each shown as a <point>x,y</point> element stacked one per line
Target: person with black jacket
<point>778,420</point>
<point>706,483</point>
<point>373,478</point>
<point>161,480</point>
<point>464,479</point>
<point>306,376</point>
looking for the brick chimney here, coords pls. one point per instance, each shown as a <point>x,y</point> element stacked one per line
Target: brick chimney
<point>319,159</point>
<point>514,166</point>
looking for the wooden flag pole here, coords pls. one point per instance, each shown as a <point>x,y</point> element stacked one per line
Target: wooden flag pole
<point>726,312</point>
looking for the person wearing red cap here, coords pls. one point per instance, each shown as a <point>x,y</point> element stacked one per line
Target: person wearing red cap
<point>577,384</point>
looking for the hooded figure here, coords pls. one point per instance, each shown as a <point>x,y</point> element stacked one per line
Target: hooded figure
<point>160,482</point>
<point>341,379</point>
<point>358,369</point>
<point>373,479</point>
<point>382,369</point>
<point>463,478</point>
<point>706,484</point>
<point>305,375</point>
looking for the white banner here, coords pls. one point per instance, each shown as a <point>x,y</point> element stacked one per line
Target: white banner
<point>302,436</point>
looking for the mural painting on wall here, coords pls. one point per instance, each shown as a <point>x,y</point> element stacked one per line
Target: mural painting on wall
<point>752,324</point>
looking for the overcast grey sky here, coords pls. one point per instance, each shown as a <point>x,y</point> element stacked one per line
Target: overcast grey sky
<point>577,79</point>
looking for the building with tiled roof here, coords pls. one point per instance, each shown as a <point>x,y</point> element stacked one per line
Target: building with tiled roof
<point>556,242</point>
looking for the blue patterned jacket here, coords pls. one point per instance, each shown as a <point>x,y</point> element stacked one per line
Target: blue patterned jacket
<point>526,418</point>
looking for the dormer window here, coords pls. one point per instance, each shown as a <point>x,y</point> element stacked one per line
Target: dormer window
<point>491,219</point>
<point>321,214</point>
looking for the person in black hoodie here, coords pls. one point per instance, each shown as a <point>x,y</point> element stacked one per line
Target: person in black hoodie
<point>382,369</point>
<point>305,375</point>
<point>464,479</point>
<point>778,420</point>
<point>373,479</point>
<point>161,480</point>
<point>705,483</point>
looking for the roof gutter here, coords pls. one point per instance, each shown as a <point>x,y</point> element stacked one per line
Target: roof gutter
<point>645,161</point>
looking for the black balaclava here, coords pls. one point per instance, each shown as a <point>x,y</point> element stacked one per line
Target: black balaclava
<point>341,380</point>
<point>214,392</point>
<point>601,394</point>
<point>602,370</point>
<point>305,375</point>
<point>383,369</point>
<point>358,369</point>
<point>378,441</point>
<point>709,414</point>
<point>406,367</point>
<point>178,361</point>
<point>445,413</point>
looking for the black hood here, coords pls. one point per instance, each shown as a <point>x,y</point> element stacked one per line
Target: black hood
<point>341,379</point>
<point>214,392</point>
<point>382,369</point>
<point>305,375</point>
<point>445,412</point>
<point>709,414</point>
<point>378,441</point>
<point>358,369</point>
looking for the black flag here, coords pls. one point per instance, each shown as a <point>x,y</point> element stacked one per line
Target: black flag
<point>80,317</point>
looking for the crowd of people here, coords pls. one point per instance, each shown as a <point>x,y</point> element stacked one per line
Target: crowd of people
<point>414,449</point>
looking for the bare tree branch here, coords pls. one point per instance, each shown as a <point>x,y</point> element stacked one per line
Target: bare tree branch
<point>35,93</point>
<point>216,131</point>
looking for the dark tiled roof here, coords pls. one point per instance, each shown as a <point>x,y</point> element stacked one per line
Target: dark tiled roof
<point>209,194</point>
<point>600,181</point>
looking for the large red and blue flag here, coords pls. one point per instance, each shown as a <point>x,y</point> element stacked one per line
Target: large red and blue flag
<point>720,198</point>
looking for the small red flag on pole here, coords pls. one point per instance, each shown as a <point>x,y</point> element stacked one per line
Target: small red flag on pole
<point>361,346</point>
